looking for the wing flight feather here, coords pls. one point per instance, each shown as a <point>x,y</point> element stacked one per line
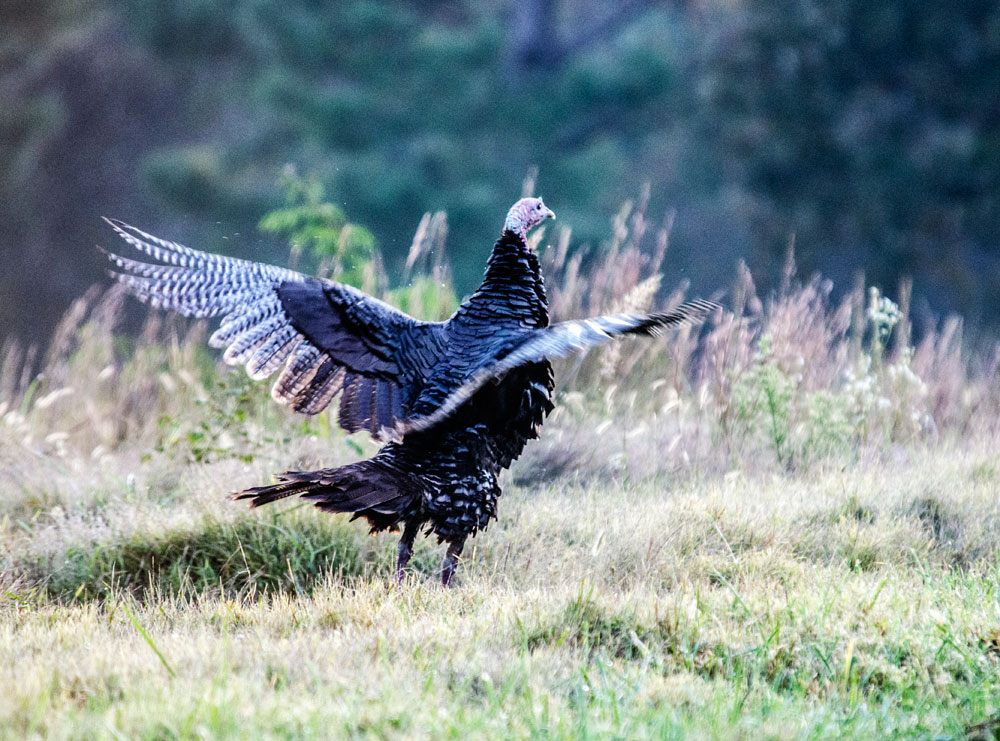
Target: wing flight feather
<point>328,337</point>
<point>558,340</point>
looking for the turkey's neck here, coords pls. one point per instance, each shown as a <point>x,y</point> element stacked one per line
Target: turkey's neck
<point>512,287</point>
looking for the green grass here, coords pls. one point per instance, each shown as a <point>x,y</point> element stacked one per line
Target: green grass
<point>859,602</point>
<point>272,552</point>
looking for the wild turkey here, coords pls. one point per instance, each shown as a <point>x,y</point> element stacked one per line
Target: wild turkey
<point>457,400</point>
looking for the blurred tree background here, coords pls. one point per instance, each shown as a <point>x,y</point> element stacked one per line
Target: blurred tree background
<point>869,131</point>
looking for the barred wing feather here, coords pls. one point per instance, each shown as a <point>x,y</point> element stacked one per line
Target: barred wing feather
<point>558,340</point>
<point>330,338</point>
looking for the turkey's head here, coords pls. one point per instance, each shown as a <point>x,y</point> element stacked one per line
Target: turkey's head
<point>525,214</point>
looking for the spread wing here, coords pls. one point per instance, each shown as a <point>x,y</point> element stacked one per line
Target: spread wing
<point>556,341</point>
<point>329,337</point>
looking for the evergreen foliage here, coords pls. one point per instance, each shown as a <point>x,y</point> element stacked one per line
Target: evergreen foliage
<point>866,130</point>
<point>870,131</point>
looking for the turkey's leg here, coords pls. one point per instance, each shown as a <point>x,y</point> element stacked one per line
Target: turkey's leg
<point>405,549</point>
<point>451,561</point>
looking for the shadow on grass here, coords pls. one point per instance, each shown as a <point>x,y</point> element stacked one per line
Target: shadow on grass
<point>253,555</point>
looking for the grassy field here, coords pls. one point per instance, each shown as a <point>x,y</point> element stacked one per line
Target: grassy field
<point>862,602</point>
<point>784,527</point>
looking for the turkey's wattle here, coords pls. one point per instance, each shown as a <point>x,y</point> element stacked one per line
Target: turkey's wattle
<point>422,385</point>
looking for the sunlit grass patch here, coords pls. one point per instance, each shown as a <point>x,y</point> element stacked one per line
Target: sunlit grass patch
<point>887,653</point>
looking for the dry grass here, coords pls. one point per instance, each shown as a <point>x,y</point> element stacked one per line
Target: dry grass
<point>859,603</point>
<point>784,525</point>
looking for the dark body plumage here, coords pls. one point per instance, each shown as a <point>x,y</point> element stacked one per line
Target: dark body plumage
<point>457,400</point>
<point>447,476</point>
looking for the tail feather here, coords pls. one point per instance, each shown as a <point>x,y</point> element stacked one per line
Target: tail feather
<point>368,488</point>
<point>261,495</point>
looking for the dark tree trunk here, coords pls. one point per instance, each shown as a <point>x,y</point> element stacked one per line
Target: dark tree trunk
<point>536,42</point>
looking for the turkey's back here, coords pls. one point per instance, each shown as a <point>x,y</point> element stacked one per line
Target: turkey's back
<point>465,453</point>
<point>510,302</point>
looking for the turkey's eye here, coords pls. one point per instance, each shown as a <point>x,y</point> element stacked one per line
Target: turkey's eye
<point>538,207</point>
